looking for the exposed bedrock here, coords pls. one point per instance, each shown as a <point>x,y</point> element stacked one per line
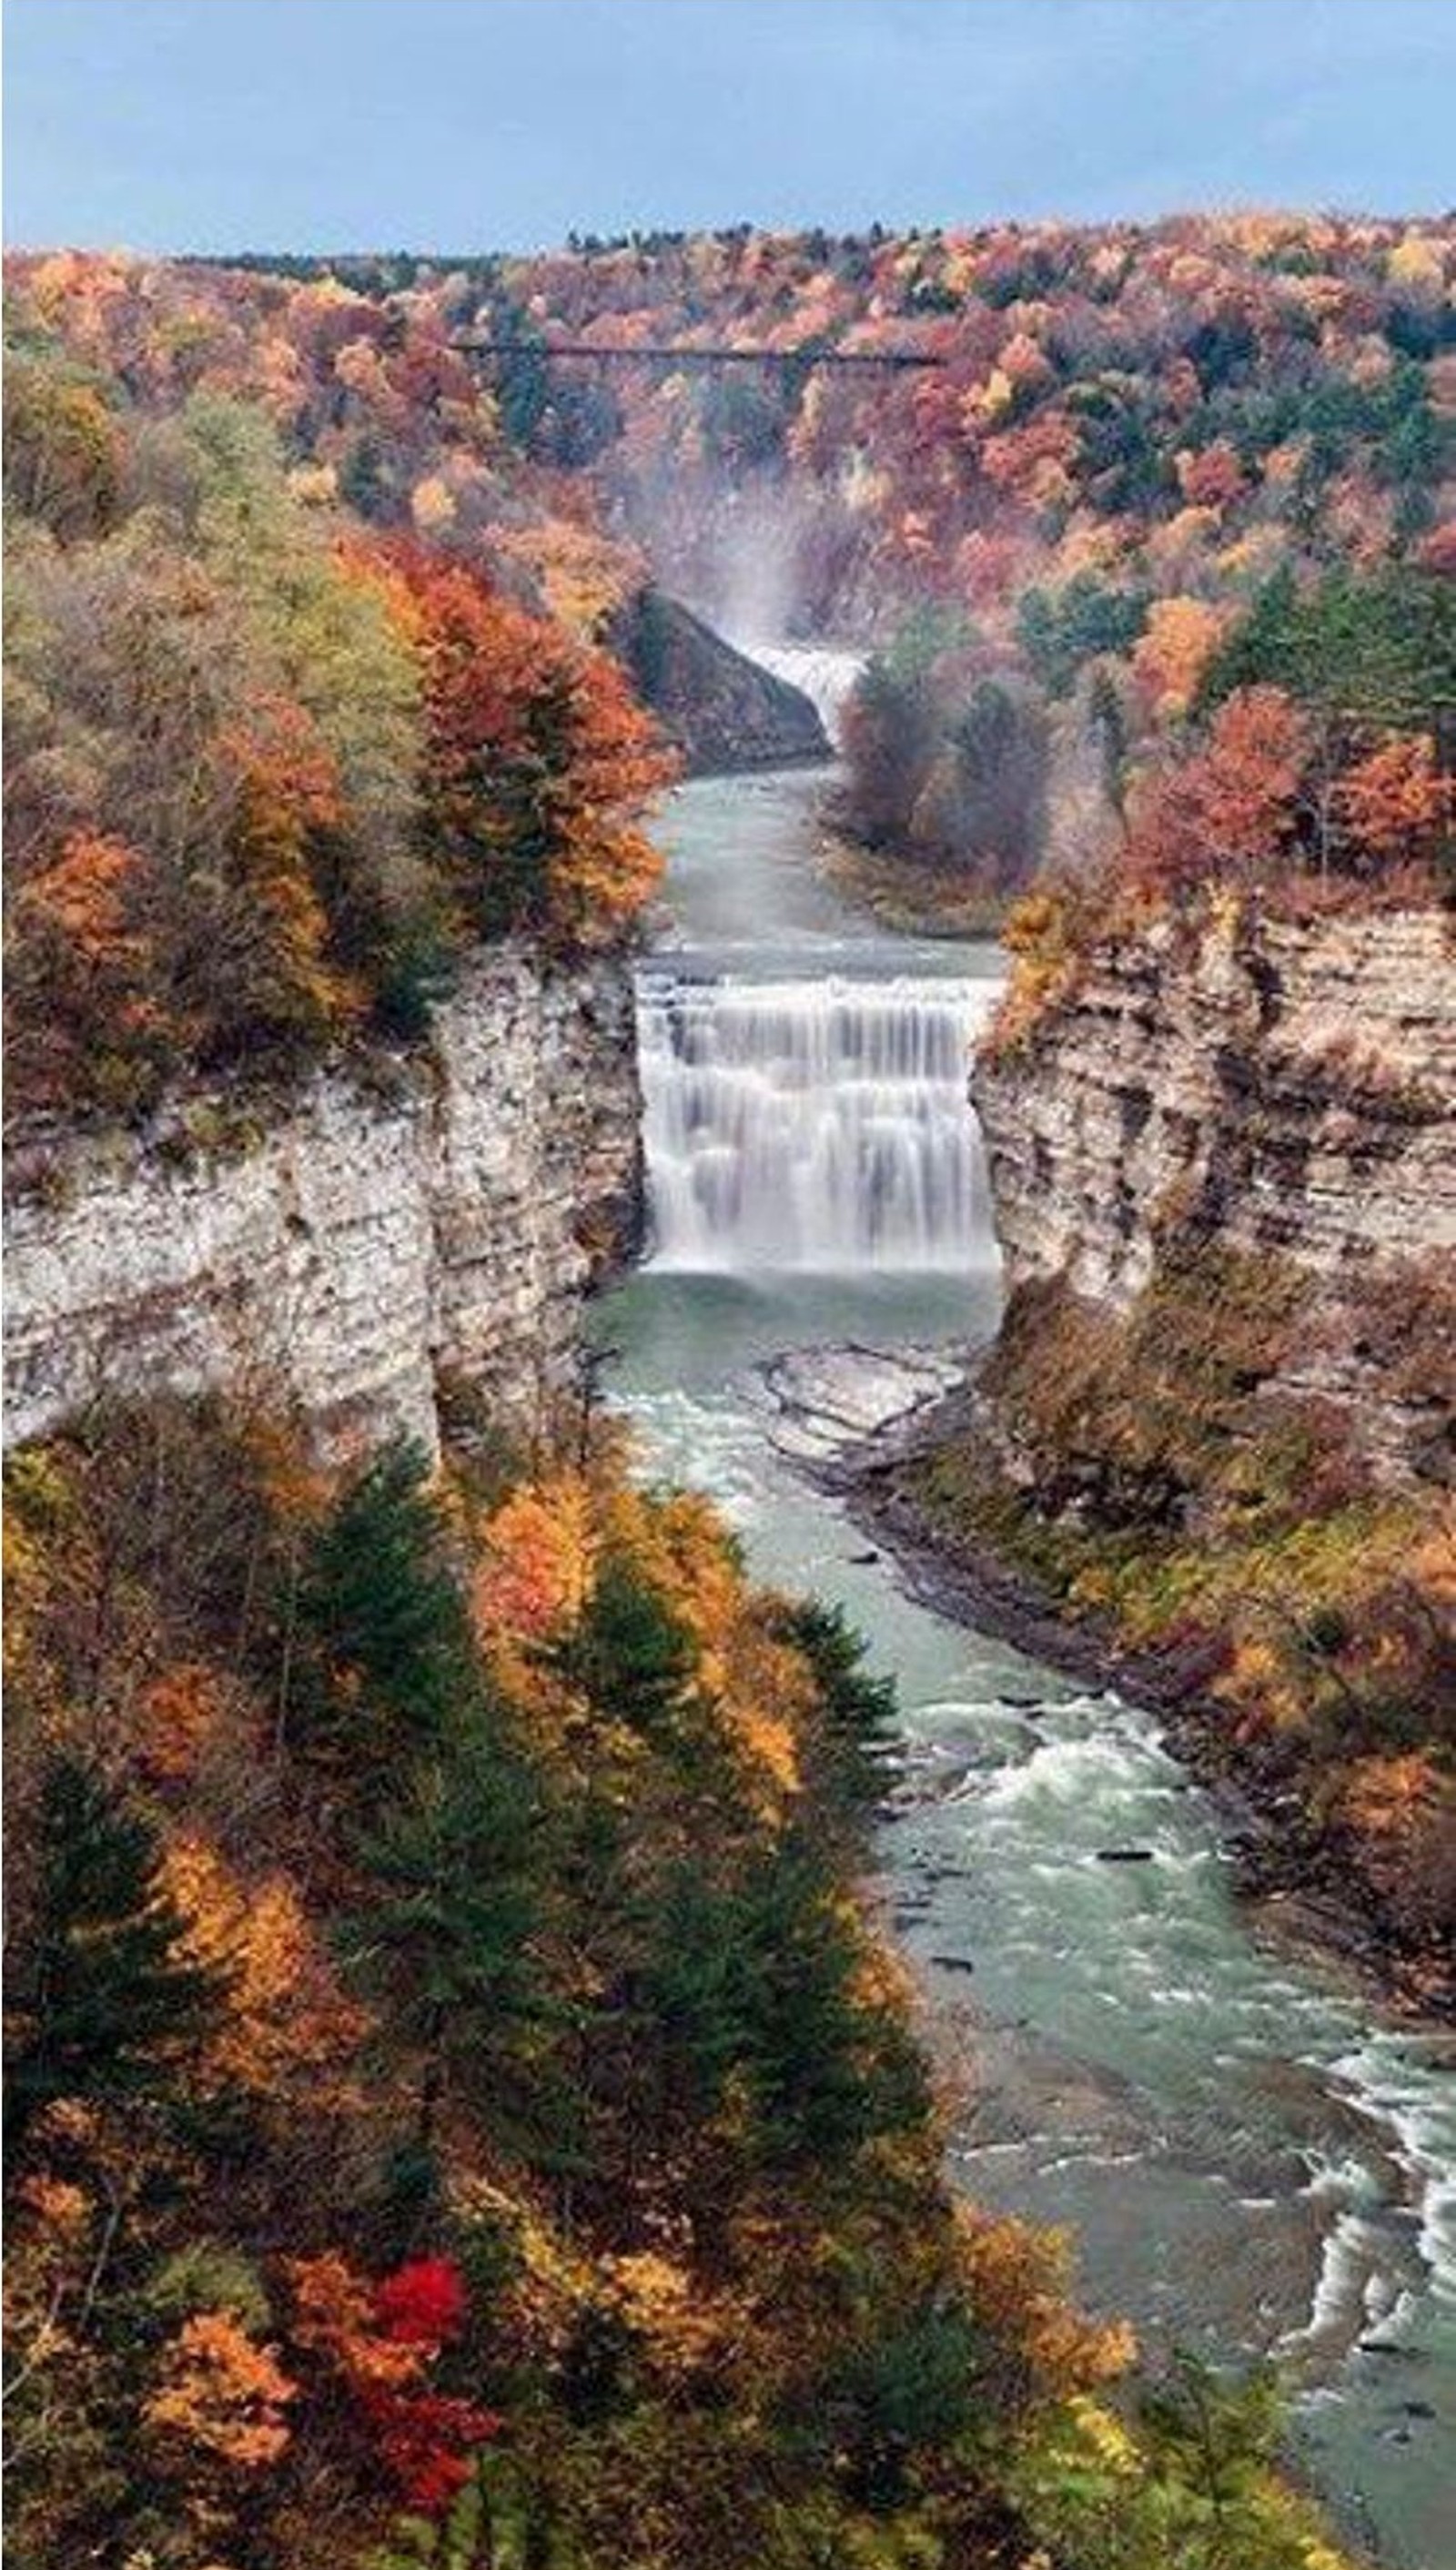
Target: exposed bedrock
<point>1284,1091</point>
<point>722,710</point>
<point>351,1250</point>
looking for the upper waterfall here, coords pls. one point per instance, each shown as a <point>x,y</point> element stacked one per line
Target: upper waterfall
<point>813,1124</point>
<point>820,671</point>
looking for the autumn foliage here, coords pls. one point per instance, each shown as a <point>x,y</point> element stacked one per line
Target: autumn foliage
<point>272,774</point>
<point>463,2096</point>
<point>538,763</point>
<point>1129,433</point>
<point>1394,802</point>
<point>1229,806</point>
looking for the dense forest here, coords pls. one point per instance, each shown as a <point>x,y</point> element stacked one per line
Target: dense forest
<point>460,2110</point>
<point>1152,473</point>
<point>1131,446</point>
<point>270,771</point>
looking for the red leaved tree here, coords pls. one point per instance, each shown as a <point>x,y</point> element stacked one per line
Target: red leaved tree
<point>1230,808</point>
<point>539,767</point>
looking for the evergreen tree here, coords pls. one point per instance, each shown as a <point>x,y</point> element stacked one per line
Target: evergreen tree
<point>826,2071</point>
<point>910,2386</point>
<point>629,1653</point>
<point>1359,651</point>
<point>996,805</point>
<point>1217,2437</point>
<point>110,2007</point>
<point>853,1733</point>
<point>448,1936</point>
<point>392,1655</point>
<point>1061,629</point>
<point>755,1984</point>
<point>696,1990</point>
<point>1107,720</point>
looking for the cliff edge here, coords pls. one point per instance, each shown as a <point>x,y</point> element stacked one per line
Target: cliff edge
<point>440,1214</point>
<point>1215,1436</point>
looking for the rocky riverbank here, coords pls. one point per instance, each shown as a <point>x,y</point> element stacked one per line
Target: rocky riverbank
<point>867,1424</point>
<point>906,896</point>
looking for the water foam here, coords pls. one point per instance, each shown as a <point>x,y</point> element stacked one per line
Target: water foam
<point>820,672</point>
<point>812,1124</point>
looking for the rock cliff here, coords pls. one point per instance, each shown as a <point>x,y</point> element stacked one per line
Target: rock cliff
<point>442,1214</point>
<point>1287,1092</point>
<point>722,710</point>
<point>1216,1433</point>
<point>1292,1085</point>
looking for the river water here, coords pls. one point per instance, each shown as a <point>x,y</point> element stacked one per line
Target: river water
<point>1251,2163</point>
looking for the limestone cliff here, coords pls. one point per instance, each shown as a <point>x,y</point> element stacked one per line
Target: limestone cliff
<point>1285,1090</point>
<point>1216,1433</point>
<point>442,1213</point>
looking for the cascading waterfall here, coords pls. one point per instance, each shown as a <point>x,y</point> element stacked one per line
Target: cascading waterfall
<point>813,1124</point>
<point>820,672</point>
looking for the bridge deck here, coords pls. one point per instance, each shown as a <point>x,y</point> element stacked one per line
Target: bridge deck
<point>694,355</point>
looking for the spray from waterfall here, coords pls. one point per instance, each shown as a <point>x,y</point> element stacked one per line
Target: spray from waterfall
<point>818,1125</point>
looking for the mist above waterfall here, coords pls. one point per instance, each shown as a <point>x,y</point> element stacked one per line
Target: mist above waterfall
<point>813,1124</point>
<point>762,559</point>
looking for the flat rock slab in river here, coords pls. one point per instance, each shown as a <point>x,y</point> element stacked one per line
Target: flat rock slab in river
<point>829,1400</point>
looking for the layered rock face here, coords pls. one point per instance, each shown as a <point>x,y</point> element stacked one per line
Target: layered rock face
<point>1290,1088</point>
<point>446,1218</point>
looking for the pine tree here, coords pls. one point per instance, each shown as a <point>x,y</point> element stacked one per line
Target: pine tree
<point>757,1983</point>
<point>629,1653</point>
<point>857,1709</point>
<point>393,1649</point>
<point>826,2071</point>
<point>448,1935</point>
<point>112,2009</point>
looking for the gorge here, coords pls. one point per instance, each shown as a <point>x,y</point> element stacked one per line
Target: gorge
<point>513,1267</point>
<point>1123,2035</point>
<point>814,1177</point>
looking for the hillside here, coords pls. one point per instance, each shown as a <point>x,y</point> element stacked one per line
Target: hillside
<point>1128,435</point>
<point>458,2106</point>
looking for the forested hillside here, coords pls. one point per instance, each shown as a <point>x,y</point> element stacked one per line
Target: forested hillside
<point>1131,439</point>
<point>1130,436</point>
<point>271,771</point>
<point>460,2110</point>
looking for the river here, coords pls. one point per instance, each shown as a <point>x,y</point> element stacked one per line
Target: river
<point>1251,2163</point>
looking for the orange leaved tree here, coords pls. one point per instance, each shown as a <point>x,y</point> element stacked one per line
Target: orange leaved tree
<point>539,764</point>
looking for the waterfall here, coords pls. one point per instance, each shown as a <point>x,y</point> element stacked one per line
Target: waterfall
<point>822,674</point>
<point>820,1125</point>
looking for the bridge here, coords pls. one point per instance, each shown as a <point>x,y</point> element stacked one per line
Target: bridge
<point>687,356</point>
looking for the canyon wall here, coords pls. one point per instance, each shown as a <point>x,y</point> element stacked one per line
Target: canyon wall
<point>721,710</point>
<point>1293,1087</point>
<point>436,1214</point>
<point>1283,1092</point>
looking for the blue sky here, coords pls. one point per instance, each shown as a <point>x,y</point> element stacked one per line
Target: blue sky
<point>220,125</point>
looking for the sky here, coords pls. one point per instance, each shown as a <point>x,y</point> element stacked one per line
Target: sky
<point>458,124</point>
